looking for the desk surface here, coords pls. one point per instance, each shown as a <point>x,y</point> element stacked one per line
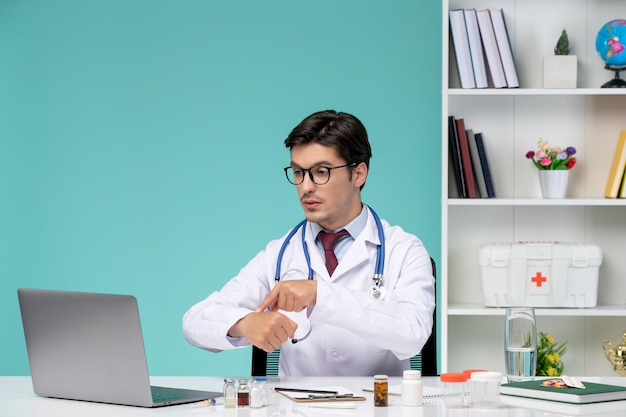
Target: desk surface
<point>18,400</point>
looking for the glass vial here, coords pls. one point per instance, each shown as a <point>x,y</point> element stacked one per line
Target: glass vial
<point>230,393</point>
<point>412,389</point>
<point>381,391</point>
<point>243,393</point>
<point>256,394</point>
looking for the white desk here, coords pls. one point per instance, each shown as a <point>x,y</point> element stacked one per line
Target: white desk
<point>18,400</point>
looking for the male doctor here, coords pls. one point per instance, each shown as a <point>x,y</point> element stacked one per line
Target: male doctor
<point>338,321</point>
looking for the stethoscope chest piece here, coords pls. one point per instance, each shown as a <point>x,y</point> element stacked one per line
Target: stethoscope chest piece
<point>377,293</point>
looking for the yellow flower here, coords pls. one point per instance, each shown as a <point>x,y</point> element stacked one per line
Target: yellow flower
<point>550,358</point>
<point>552,372</point>
<point>556,356</point>
<point>550,339</point>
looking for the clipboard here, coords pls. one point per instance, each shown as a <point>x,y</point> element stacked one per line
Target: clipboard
<point>305,395</point>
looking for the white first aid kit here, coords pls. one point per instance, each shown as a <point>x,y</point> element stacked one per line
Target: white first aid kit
<point>540,274</point>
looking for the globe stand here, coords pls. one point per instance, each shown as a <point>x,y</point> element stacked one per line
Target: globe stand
<point>616,82</point>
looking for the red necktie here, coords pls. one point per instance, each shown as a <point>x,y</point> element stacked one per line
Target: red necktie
<point>329,240</point>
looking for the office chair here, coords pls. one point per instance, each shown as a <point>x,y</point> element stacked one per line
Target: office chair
<point>266,364</point>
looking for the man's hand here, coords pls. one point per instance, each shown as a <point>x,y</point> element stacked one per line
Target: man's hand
<point>266,330</point>
<point>293,295</point>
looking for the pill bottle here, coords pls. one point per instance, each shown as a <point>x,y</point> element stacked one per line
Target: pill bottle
<point>381,391</point>
<point>256,394</point>
<point>230,393</point>
<point>486,389</point>
<point>263,383</point>
<point>243,393</point>
<point>412,389</point>
<point>453,389</point>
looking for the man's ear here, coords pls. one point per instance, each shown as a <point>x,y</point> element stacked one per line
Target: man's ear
<point>359,174</point>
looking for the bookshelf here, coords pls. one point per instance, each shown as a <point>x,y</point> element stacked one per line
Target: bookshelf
<point>512,120</point>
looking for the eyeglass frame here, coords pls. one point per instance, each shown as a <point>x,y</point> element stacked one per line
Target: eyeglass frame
<point>350,165</point>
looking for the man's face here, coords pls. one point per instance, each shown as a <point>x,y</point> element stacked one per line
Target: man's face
<point>336,203</point>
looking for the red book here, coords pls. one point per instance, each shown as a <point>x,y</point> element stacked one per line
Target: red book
<point>466,159</point>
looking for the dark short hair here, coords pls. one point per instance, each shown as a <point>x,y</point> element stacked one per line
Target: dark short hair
<point>341,131</point>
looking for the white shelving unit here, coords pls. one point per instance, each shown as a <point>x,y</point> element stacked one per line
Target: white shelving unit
<point>512,120</point>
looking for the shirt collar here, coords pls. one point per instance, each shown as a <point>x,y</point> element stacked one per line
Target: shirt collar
<point>355,227</point>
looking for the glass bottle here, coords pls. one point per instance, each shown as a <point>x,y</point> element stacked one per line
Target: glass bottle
<point>256,394</point>
<point>243,393</point>
<point>230,393</point>
<point>381,388</point>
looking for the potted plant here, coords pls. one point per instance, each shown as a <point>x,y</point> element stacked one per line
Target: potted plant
<point>553,163</point>
<point>561,69</point>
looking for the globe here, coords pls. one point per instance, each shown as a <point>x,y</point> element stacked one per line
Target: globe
<point>611,42</point>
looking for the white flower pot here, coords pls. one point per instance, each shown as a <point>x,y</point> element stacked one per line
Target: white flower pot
<point>553,182</point>
<point>560,71</point>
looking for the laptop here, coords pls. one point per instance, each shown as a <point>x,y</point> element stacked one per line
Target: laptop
<point>89,346</point>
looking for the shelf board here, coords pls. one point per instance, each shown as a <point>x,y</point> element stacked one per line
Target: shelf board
<point>536,91</point>
<point>598,311</point>
<point>536,202</point>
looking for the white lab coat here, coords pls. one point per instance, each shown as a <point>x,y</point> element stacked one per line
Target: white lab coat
<point>351,333</point>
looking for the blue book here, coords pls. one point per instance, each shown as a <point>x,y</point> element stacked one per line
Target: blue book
<point>484,163</point>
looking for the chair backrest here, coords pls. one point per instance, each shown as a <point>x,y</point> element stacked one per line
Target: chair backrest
<point>266,364</point>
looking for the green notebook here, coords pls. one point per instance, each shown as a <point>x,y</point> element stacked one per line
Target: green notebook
<point>593,393</point>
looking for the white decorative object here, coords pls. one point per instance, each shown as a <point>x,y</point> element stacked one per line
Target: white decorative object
<point>560,71</point>
<point>553,182</point>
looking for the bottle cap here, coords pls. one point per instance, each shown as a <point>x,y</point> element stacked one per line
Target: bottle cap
<point>487,376</point>
<point>411,374</point>
<point>380,376</point>
<point>453,377</point>
<point>469,372</point>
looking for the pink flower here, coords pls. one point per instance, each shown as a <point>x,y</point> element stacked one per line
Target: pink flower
<point>545,161</point>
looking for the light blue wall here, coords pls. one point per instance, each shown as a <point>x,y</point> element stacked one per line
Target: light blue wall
<point>137,135</point>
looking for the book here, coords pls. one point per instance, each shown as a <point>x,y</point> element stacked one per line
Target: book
<point>484,163</point>
<point>476,49</point>
<point>616,172</point>
<point>504,47</point>
<point>455,156</point>
<point>476,164</point>
<point>466,159</point>
<point>461,48</point>
<point>490,46</point>
<point>590,409</point>
<point>593,393</point>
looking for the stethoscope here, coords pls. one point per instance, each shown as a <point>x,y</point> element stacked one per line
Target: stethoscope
<point>377,291</point>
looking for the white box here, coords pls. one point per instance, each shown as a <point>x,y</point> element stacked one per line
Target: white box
<point>540,274</point>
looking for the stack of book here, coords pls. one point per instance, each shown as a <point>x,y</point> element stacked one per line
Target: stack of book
<point>482,47</point>
<point>616,184</point>
<point>468,153</point>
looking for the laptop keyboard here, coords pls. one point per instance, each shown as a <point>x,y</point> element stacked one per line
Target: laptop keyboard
<point>161,394</point>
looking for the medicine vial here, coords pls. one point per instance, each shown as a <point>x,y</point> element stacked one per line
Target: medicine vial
<point>381,391</point>
<point>230,393</point>
<point>412,389</point>
<point>243,393</point>
<point>256,394</point>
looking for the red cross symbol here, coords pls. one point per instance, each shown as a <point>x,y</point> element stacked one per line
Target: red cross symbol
<point>539,279</point>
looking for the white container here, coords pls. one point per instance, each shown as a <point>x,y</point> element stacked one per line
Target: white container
<point>540,274</point>
<point>485,389</point>
<point>412,389</point>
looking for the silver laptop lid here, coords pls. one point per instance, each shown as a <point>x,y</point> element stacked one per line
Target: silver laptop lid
<point>85,346</point>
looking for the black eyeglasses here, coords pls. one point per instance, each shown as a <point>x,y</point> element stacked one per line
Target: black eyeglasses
<point>320,174</point>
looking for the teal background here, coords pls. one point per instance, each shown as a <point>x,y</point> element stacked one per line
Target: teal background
<point>141,143</point>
